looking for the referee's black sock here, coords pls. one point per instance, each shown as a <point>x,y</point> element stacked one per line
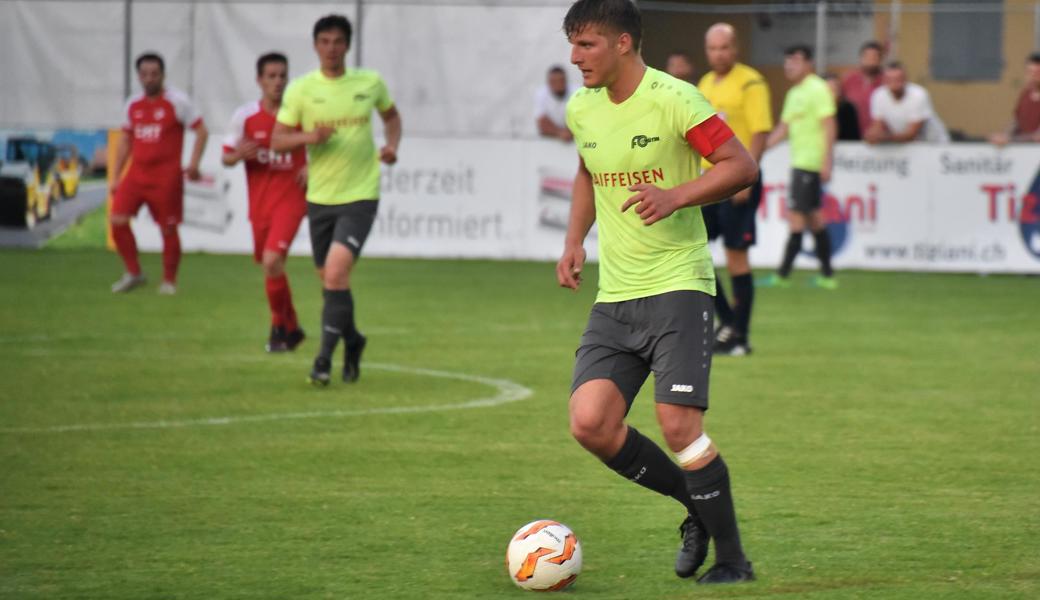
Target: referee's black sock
<point>709,488</point>
<point>722,307</point>
<point>743,297</point>
<point>337,320</point>
<point>794,246</point>
<point>642,461</point>
<point>823,251</point>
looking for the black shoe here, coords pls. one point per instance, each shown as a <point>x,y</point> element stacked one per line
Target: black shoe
<point>277,341</point>
<point>352,360</point>
<point>294,338</point>
<point>730,342</point>
<point>728,573</point>
<point>694,547</point>
<point>320,373</point>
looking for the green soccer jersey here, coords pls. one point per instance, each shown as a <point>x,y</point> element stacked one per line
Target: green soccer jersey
<point>346,167</point>
<point>805,106</point>
<point>644,140</point>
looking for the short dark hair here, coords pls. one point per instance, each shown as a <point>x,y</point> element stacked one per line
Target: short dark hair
<point>270,57</point>
<point>802,49</point>
<point>330,22</point>
<point>1034,58</point>
<point>895,65</point>
<point>871,45</point>
<point>556,69</point>
<point>621,16</point>
<point>150,57</point>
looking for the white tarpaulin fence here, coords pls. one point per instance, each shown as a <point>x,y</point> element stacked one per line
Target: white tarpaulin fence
<point>454,68</point>
<point>967,207</point>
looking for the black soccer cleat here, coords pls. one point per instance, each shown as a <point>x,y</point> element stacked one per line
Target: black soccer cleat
<point>728,573</point>
<point>730,342</point>
<point>352,359</point>
<point>694,547</point>
<point>276,342</point>
<point>294,338</point>
<point>320,373</point>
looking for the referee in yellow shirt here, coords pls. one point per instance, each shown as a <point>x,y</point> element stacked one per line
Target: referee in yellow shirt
<point>740,95</point>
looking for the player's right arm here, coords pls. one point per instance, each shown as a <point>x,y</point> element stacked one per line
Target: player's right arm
<point>237,146</point>
<point>583,215</point>
<point>122,153</point>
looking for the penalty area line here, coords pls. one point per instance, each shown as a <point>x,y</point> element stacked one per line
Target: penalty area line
<point>506,392</point>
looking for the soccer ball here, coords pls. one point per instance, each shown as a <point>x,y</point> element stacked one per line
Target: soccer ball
<point>544,555</point>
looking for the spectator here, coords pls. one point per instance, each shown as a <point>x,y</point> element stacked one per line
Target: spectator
<point>858,85</point>
<point>902,112</point>
<point>680,66</point>
<point>1026,126</point>
<point>550,105</point>
<point>848,116</point>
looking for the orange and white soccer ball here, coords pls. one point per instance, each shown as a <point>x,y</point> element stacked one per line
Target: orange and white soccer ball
<point>544,555</point>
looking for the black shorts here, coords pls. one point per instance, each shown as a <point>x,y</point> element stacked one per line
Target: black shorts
<point>734,222</point>
<point>348,224</point>
<point>806,191</point>
<point>669,334</point>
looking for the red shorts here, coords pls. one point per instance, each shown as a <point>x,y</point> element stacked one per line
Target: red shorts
<point>162,193</point>
<point>276,230</point>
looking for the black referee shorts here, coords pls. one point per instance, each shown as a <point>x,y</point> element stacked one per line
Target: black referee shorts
<point>348,224</point>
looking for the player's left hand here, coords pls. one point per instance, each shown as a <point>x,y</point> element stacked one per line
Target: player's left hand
<point>193,174</point>
<point>388,155</point>
<point>651,202</point>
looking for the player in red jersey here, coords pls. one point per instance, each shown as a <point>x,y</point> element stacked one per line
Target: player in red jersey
<point>277,198</point>
<point>154,138</point>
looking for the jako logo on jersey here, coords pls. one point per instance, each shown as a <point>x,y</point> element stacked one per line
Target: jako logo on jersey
<point>714,494</point>
<point>643,141</point>
<point>589,145</point>
<point>686,389</point>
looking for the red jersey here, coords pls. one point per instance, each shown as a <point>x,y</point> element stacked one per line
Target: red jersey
<point>272,177</point>
<point>857,87</point>
<point>1027,112</point>
<point>157,126</point>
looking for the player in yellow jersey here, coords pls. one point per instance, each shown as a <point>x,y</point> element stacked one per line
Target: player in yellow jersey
<point>329,110</point>
<point>640,134</point>
<point>741,96</point>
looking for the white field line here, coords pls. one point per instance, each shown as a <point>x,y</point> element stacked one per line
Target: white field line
<point>506,392</point>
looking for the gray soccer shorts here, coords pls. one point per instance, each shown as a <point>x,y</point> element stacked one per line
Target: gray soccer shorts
<point>806,191</point>
<point>669,334</point>
<point>348,224</point>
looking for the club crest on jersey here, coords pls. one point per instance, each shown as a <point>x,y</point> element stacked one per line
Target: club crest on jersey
<point>643,141</point>
<point>159,113</point>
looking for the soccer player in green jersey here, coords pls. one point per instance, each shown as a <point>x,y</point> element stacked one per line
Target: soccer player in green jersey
<point>640,134</point>
<point>808,120</point>
<point>330,111</point>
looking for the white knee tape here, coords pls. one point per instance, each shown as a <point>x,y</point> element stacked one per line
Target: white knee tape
<point>694,451</point>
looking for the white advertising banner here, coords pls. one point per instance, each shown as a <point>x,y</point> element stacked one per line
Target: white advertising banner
<point>964,207</point>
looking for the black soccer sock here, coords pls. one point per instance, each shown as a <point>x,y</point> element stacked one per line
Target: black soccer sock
<point>823,251</point>
<point>794,246</point>
<point>722,306</point>
<point>710,491</point>
<point>337,320</point>
<point>642,461</point>
<point>743,297</point>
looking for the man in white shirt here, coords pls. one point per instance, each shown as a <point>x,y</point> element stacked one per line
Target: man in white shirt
<point>902,112</point>
<point>550,105</point>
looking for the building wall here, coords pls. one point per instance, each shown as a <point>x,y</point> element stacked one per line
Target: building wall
<point>975,108</point>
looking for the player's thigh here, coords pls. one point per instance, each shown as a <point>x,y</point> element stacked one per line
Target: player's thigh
<point>710,213</point>
<point>797,221</point>
<point>737,262</point>
<point>321,220</point>
<point>284,221</point>
<point>805,193</point>
<point>816,220</point>
<point>681,425</point>
<point>126,203</point>
<point>353,225</point>
<point>606,351</point>
<point>165,201</point>
<point>339,263</point>
<point>737,221</point>
<point>597,412</point>
<point>260,231</point>
<point>681,324</point>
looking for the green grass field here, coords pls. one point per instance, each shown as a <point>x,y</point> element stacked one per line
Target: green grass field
<point>884,439</point>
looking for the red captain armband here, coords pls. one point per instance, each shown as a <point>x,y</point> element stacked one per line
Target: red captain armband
<point>707,136</point>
